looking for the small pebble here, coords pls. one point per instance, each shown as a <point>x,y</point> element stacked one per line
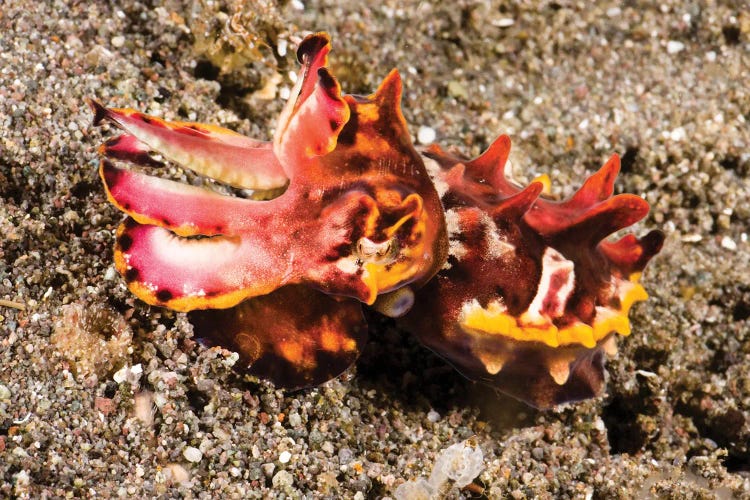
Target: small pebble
<point>457,90</point>
<point>180,475</point>
<point>268,469</point>
<point>345,456</point>
<point>110,274</point>
<point>673,47</point>
<point>678,134</point>
<point>4,393</point>
<point>614,12</point>
<point>118,41</point>
<point>426,135</point>
<point>281,47</point>
<point>295,420</point>
<point>728,243</point>
<point>192,454</point>
<point>505,22</point>
<point>284,457</point>
<point>282,479</point>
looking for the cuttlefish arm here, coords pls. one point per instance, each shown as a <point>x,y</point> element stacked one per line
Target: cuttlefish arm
<point>183,209</point>
<point>215,152</point>
<point>181,273</point>
<point>315,114</point>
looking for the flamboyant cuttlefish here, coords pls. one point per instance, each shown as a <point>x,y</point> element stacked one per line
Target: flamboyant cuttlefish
<point>528,295</point>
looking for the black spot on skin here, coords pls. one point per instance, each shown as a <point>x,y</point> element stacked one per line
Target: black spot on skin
<point>327,80</point>
<point>111,174</point>
<point>129,223</point>
<point>338,252</point>
<point>348,134</point>
<point>131,275</point>
<point>166,222</point>
<point>310,46</point>
<point>333,124</point>
<point>218,229</point>
<point>113,142</point>
<point>100,112</point>
<point>125,242</point>
<point>164,295</point>
<point>146,119</point>
<point>126,206</point>
<point>192,131</point>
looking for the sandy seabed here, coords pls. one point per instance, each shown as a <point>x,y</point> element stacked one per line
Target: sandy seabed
<point>665,85</point>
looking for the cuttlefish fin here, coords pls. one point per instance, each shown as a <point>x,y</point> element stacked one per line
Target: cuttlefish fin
<point>295,337</point>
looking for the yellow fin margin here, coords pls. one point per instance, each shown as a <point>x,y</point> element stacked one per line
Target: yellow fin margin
<point>495,321</point>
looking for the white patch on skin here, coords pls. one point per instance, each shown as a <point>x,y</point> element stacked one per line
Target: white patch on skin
<point>497,245</point>
<point>436,174</point>
<point>467,308</point>
<point>472,306</point>
<point>452,222</point>
<point>453,225</point>
<point>455,249</point>
<point>169,247</point>
<point>554,266</point>
<point>186,290</point>
<point>347,265</point>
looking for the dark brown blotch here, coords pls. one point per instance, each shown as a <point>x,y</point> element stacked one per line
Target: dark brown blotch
<point>125,241</point>
<point>131,275</point>
<point>310,47</point>
<point>100,112</point>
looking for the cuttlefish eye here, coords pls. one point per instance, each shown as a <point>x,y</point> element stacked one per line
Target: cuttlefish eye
<point>384,252</point>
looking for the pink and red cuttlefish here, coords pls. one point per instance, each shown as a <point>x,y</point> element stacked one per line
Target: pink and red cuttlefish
<point>527,296</point>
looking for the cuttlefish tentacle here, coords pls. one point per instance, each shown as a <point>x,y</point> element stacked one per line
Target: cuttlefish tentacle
<point>179,207</point>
